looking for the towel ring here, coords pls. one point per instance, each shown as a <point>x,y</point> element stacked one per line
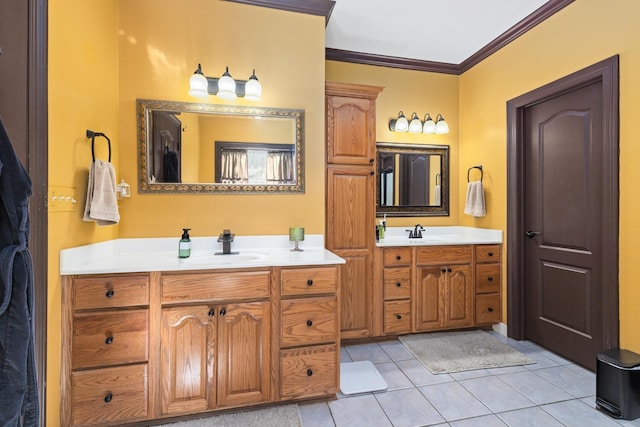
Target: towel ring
<point>91,134</point>
<point>475,167</point>
<point>438,179</point>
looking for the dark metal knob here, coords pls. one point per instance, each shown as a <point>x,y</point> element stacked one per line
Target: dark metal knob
<point>223,312</point>
<point>398,257</point>
<point>444,270</point>
<point>398,316</point>
<point>108,398</point>
<point>398,284</point>
<point>212,312</point>
<point>449,270</point>
<point>490,254</point>
<point>490,279</point>
<point>109,293</point>
<point>371,160</point>
<point>490,309</point>
<point>309,282</point>
<point>309,323</point>
<point>309,372</point>
<point>109,340</point>
<point>531,234</point>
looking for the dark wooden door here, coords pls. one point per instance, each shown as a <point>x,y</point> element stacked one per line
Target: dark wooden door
<point>23,109</point>
<point>566,221</point>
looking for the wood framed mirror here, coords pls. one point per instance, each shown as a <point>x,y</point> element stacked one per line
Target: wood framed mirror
<point>412,179</point>
<point>188,147</point>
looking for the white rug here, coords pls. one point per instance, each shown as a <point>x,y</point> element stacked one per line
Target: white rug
<point>360,377</point>
<point>444,352</point>
<point>272,416</point>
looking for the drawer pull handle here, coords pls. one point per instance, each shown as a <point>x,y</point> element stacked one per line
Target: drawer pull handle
<point>371,160</point>
<point>398,284</point>
<point>309,323</point>
<point>223,312</point>
<point>444,270</point>
<point>109,293</point>
<point>490,254</point>
<point>212,312</point>
<point>309,282</point>
<point>399,316</point>
<point>109,340</point>
<point>490,279</point>
<point>309,372</point>
<point>449,270</point>
<point>398,257</point>
<point>490,309</point>
<point>108,398</point>
<point>372,173</point>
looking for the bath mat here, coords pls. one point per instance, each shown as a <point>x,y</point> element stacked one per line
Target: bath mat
<point>360,377</point>
<point>272,416</point>
<point>445,352</point>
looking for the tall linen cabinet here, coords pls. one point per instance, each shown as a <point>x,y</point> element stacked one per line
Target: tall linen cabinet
<point>350,198</point>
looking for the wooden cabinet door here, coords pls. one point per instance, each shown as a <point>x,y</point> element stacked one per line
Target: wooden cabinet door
<point>350,235</point>
<point>244,353</point>
<point>430,295</point>
<point>459,292</point>
<point>187,359</point>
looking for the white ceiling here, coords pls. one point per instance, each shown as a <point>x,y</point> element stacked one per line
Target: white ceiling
<point>447,31</point>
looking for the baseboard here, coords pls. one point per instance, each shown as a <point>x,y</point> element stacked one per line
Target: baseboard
<point>500,328</point>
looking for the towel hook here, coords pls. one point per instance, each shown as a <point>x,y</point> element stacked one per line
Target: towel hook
<point>475,167</point>
<point>438,179</point>
<point>91,134</point>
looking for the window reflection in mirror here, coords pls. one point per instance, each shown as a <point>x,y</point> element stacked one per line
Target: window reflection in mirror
<point>412,180</point>
<point>189,147</point>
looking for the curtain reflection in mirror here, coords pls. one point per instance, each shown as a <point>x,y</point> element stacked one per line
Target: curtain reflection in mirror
<point>248,166</point>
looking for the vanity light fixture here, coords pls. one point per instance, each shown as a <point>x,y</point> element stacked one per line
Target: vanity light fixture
<point>428,126</point>
<point>201,86</point>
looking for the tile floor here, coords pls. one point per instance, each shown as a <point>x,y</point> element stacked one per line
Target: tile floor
<point>552,392</point>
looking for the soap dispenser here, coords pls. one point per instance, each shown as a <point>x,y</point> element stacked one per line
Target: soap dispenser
<point>184,247</point>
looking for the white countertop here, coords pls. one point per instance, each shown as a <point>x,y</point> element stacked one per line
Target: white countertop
<point>440,235</point>
<point>161,254</point>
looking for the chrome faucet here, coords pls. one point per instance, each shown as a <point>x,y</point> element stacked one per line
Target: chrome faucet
<point>416,233</point>
<point>226,237</point>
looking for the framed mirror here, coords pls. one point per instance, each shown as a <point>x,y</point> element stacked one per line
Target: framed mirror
<point>186,147</point>
<point>412,179</point>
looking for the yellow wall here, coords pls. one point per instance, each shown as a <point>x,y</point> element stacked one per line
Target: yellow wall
<point>104,54</point>
<point>412,91</point>
<point>580,35</point>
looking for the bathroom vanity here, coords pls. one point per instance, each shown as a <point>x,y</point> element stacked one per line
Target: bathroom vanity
<point>147,335</point>
<point>447,279</point>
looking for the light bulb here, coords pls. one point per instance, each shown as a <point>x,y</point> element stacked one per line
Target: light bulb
<point>198,84</point>
<point>227,87</point>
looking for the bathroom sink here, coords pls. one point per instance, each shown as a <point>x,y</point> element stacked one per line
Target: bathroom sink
<point>230,259</point>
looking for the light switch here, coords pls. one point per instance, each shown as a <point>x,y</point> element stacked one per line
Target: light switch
<point>63,199</point>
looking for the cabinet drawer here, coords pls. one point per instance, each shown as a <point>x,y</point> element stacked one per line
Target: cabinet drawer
<point>438,255</point>
<point>397,283</point>
<point>397,256</point>
<point>111,338</point>
<point>213,287</point>
<point>308,372</point>
<point>488,253</point>
<point>487,278</point>
<point>397,317</point>
<point>488,308</point>
<point>309,281</point>
<point>110,291</point>
<point>309,321</point>
<point>108,395</point>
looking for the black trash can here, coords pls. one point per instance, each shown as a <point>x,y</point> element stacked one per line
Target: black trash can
<point>618,383</point>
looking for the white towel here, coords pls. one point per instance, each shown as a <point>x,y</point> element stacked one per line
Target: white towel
<point>436,195</point>
<point>475,200</point>
<point>102,203</point>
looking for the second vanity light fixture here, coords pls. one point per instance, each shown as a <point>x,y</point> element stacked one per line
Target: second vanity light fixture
<point>429,126</point>
<point>201,86</point>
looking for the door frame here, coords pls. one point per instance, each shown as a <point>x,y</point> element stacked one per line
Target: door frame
<point>606,71</point>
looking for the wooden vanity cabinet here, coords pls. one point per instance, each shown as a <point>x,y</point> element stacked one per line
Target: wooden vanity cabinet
<point>396,277</point>
<point>444,287</point>
<point>215,345</point>
<point>105,361</point>
<point>350,198</point>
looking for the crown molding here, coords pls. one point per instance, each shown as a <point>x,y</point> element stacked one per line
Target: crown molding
<point>311,7</point>
<point>390,61</point>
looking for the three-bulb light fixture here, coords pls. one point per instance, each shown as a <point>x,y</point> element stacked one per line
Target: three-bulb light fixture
<point>415,125</point>
<point>201,86</point>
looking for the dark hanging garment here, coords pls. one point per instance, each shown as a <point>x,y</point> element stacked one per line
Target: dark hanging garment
<point>170,167</point>
<point>18,382</point>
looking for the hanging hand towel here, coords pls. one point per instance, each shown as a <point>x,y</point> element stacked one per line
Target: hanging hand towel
<point>102,203</point>
<point>437,195</point>
<point>475,200</point>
